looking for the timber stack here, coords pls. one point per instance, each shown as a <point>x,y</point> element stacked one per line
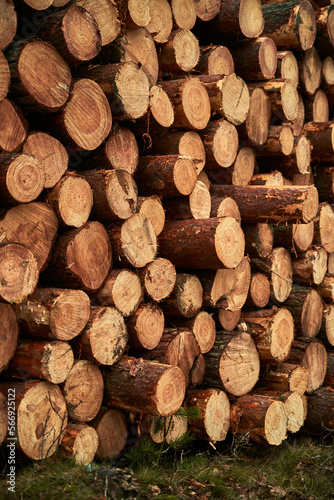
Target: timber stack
<point>166,221</point>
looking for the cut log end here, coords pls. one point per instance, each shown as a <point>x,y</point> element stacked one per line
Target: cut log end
<point>10,334</point>
<point>196,103</point>
<point>281,273</point>
<point>132,89</point>
<point>161,106</point>
<point>75,201</point>
<point>251,19</point>
<point>159,279</point>
<point>121,289</point>
<point>112,432</point>
<point>288,66</point>
<point>220,62</point>
<point>228,319</point>
<point>229,242</point>
<point>186,49</point>
<point>290,99</point>
<point>235,99</point>
<point>139,241</point>
<point>146,326</point>
<point>204,330</point>
<point>275,424</point>
<point>170,391</point>
<point>25,178</point>
<point>121,149</point>
<point>80,442</point>
<point>282,333</point>
<point>225,144</point>
<point>72,307</point>
<point>243,168</point>
<point>191,146</point>
<point>258,118</point>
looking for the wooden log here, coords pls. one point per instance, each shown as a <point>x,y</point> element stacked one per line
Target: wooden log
<point>290,24</point>
<point>146,326</point>
<point>186,299</point>
<point>224,207</point>
<point>54,313</point>
<point>184,14</point>
<point>262,419</point>
<point>168,429</point>
<point>324,182</point>
<point>298,122</point>
<point>324,227</point>
<point>215,60</point>
<point>331,263</point>
<point>214,421</point>
<point>306,307</point>
<point>47,360</point>
<point>122,290</point>
<point>325,30</point>
<point>9,23</point>
<point>241,172</point>
<point>233,364</point>
<point>273,331</point>
<point>320,414</point>
<point>83,391</point>
<point>14,133</point>
<point>203,328</point>
<point>180,54</point>
<point>328,382</point>
<point>33,225</point>
<point>214,243</point>
<point>9,336</point>
<point>278,267</point>
<point>207,9</point>
<point>75,262</point>
<point>280,141</point>
<point>328,325</point>
<point>283,97</point>
<point>272,204</point>
<point>312,354</point>
<point>134,241</point>
<point>287,66</point>
<point>32,5</point>
<point>105,336</point>
<point>106,16</point>
<point>317,107</point>
<point>50,153</point>
<point>22,178</point>
<point>151,207</point>
<point>286,377</point>
<point>259,239</point>
<point>259,291</point>
<point>80,442</point>
<point>273,178</point>
<point>168,175</point>
<point>196,206</point>
<point>221,141</point>
<point>18,272</point>
<point>139,385</point>
<point>160,109</point>
<point>71,199</point>
<point>257,123</point>
<point>112,432</point>
<point>158,278</point>
<point>311,266</point>
<point>48,85</point>
<point>326,288</point>
<point>294,237</point>
<point>327,71</point>
<point>161,20</point>
<point>255,59</point>
<point>310,71</point>
<point>228,319</point>
<point>197,371</point>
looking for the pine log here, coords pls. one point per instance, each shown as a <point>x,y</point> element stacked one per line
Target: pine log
<point>141,386</point>
<point>320,414</point>
<point>221,141</point>
<point>22,178</point>
<point>197,371</point>
<point>280,141</point>
<point>312,354</point>
<point>158,278</point>
<point>168,429</point>
<point>273,178</point>
<point>203,328</point>
<point>190,101</point>
<point>186,299</point>
<point>106,16</point>
<point>278,267</point>
<point>33,225</point>
<point>184,14</point>
<point>326,288</point>
<point>168,175</point>
<point>294,237</point>
<point>328,325</point>
<point>112,432</point>
<point>18,272</point>
<point>317,107</point>
<point>283,97</point>
<point>327,71</point>
<point>223,206</point>
<point>257,123</point>
<point>311,266</point>
<point>329,378</point>
<point>325,30</point>
<point>83,391</point>
<point>324,181</point>
<point>228,319</point>
<point>298,122</point>
<point>180,54</point>
<point>291,24</point>
<point>146,326</point>
<point>161,20</point>
<point>14,133</point>
<point>207,9</point>
<point>122,290</point>
<point>255,59</point>
<point>287,66</point>
<point>9,336</point>
<point>151,207</point>
<point>134,13</point>
<point>105,336</point>
<point>306,307</point>
<point>195,206</point>
<point>232,364</point>
<point>259,291</point>
<point>50,153</point>
<point>80,442</point>
<point>214,421</point>
<point>160,109</point>
<point>134,241</point>
<point>32,5</point>
<point>40,76</point>
<point>74,33</point>
<point>40,416</point>
<point>310,71</point>
<point>54,313</point>
<point>8,16</point>
<point>321,137</point>
<point>215,60</point>
<point>286,377</point>
<point>324,227</point>
<point>259,239</point>
<point>331,263</point>
<point>71,199</point>
<point>203,244</point>
<point>50,361</point>
<point>241,172</point>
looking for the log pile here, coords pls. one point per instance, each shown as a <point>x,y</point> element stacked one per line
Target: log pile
<point>166,221</point>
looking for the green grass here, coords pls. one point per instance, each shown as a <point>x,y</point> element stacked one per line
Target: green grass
<point>301,468</point>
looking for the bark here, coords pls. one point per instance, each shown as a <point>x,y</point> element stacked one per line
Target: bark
<point>197,371</point>
<point>255,59</point>
<point>325,30</point>
<point>311,266</point>
<point>324,181</point>
<point>298,163</point>
<point>106,16</point>
<point>283,97</point>
<point>195,206</point>
<point>286,377</point>
<point>329,378</point>
<point>224,206</point>
<point>320,137</point>
<point>14,133</point>
<point>80,442</point>
<point>294,237</point>
<point>158,278</point>
<point>146,326</point>
<point>280,141</point>
<point>203,328</point>
<point>312,354</point>
<point>320,415</point>
<point>259,238</point>
<point>9,337</point>
<point>112,432</point>
<point>221,141</point>
<point>328,326</point>
<point>326,288</point>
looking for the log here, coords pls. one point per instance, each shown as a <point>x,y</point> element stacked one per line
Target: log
<point>180,54</point>
<point>324,227</point>
<point>74,32</point>
<point>312,354</point>
<point>135,14</point>
<point>214,243</point>
<point>255,59</point>
<point>184,14</point>
<point>283,97</point>
<point>54,313</point>
<point>298,122</point>
<point>9,337</point>
<point>134,241</point>
<point>327,71</point>
<point>139,385</point>
<point>48,85</point>
<point>168,429</point>
<point>197,371</point>
<point>214,421</point>
<point>273,331</point>
<point>161,20</point>
<point>286,377</point>
<point>331,263</point>
<point>14,133</point>
<point>18,272</point>
<point>294,237</point>
<point>203,328</point>
<point>324,182</point>
<point>112,432</point>
<point>122,290</point>
<point>105,336</point>
<point>273,178</point>
<point>326,288</point>
<point>9,23</point>
<point>328,382</point>
<point>158,278</point>
<point>221,141</point>
<point>259,291</point>
<point>310,71</point>
<point>287,66</point>
<point>259,418</point>
<point>71,199</point>
<point>80,442</point>
<point>75,263</point>
<point>40,416</point>
<point>228,319</point>
<point>50,153</point>
<point>320,414</point>
<point>311,266</point>
<point>50,361</point>
<point>325,30</point>
<point>328,325</point>
<point>4,418</point>
<point>259,239</point>
<point>215,60</point>
<point>151,207</point>
<point>195,206</point>
<point>243,168</point>
<point>160,109</point>
<point>257,123</point>
<point>233,364</point>
<point>280,141</point>
<point>22,178</point>
<point>278,267</point>
<point>317,107</point>
<point>290,24</point>
<point>83,391</point>
<point>186,299</point>
<point>223,207</point>
<point>106,16</point>
<point>146,326</point>
<point>207,9</point>
<point>306,307</point>
<point>33,225</point>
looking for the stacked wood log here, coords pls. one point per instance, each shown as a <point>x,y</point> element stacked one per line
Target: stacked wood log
<point>166,222</point>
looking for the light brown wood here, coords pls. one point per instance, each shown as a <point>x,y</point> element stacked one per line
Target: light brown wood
<point>296,237</point>
<point>9,23</point>
<point>196,206</point>
<point>122,290</point>
<point>326,288</point>
<point>287,66</point>
<point>311,266</point>
<point>259,239</point>
<point>255,59</point>
<point>325,30</point>
<point>158,278</point>
<point>327,71</point>
<point>168,429</point>
<point>145,326</point>
<point>306,307</point>
<point>221,141</point>
<point>317,107</point>
<point>223,206</point>
<point>203,328</point>
<point>121,150</point>
<point>283,97</point>
<point>310,71</point>
<point>312,354</point>
<point>112,432</point>
<point>215,60</point>
<point>14,133</point>
<point>228,319</point>
<point>207,9</point>
<point>18,272</point>
<point>151,207</point>
<point>161,20</point>
<point>80,442</point>
<point>137,13</point>
<point>278,267</point>
<point>184,13</point>
<point>106,16</point>
<point>161,108</point>
<point>258,118</point>
<point>324,227</point>
<point>259,291</point>
<point>180,53</point>
<point>298,122</point>
<point>286,377</point>
<point>9,338</point>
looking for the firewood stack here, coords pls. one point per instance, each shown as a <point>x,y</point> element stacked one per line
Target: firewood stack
<point>167,224</point>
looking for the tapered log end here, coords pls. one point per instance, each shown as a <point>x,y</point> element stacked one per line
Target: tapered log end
<point>251,19</point>
<point>69,314</point>
<point>161,106</point>
<point>229,242</point>
<point>275,424</point>
<point>170,391</point>
<point>139,241</point>
<point>307,24</point>
<point>159,279</point>
<point>282,334</point>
